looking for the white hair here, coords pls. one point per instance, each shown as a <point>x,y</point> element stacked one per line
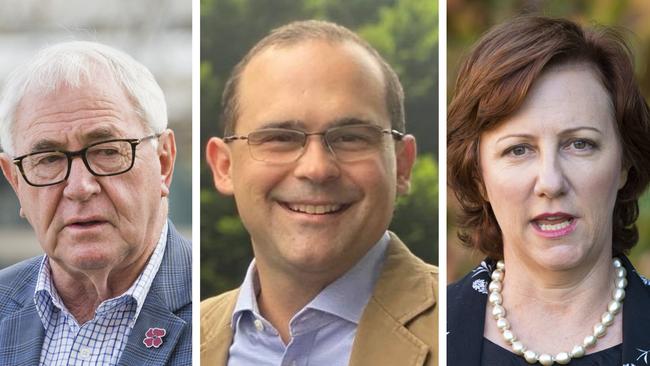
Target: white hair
<point>73,64</point>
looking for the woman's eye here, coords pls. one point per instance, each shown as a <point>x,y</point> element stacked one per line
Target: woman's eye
<point>580,144</point>
<point>518,150</point>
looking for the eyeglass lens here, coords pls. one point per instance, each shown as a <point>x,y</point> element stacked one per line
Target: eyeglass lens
<point>347,143</point>
<point>107,158</point>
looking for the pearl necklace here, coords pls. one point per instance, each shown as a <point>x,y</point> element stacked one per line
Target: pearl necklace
<point>563,358</point>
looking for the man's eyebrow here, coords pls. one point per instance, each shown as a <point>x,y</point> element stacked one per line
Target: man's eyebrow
<point>45,144</point>
<point>300,125</point>
<point>94,135</point>
<point>347,121</point>
<point>290,124</point>
<point>101,133</point>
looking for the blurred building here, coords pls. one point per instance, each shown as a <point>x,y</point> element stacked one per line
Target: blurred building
<point>158,33</point>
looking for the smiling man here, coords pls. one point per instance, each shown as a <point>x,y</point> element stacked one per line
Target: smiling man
<point>87,151</point>
<point>315,155</point>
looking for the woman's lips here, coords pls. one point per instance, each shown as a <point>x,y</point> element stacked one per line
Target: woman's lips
<point>554,226</point>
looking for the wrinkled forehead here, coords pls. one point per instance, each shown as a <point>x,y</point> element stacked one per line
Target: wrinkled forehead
<point>95,107</point>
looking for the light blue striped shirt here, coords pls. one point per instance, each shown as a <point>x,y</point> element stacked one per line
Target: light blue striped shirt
<point>322,333</point>
<point>101,340</point>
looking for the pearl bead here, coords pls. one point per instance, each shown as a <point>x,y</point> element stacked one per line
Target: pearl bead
<point>618,295</point>
<point>503,324</point>
<point>498,311</point>
<point>607,318</point>
<point>530,356</point>
<point>599,330</point>
<point>562,358</point>
<point>518,348</point>
<point>508,336</point>
<point>614,307</point>
<point>495,298</point>
<point>545,359</point>
<point>497,275</point>
<point>577,352</point>
<point>495,286</point>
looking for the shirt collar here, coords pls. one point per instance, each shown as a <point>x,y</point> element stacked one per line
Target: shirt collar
<point>46,295</point>
<point>346,297</point>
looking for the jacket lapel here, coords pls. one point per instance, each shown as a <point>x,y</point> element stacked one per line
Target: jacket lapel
<point>21,337</point>
<point>404,291</point>
<point>154,314</point>
<point>216,328</point>
<point>169,292</point>
<point>22,333</point>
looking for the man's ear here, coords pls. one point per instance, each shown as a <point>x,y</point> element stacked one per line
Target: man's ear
<point>167,157</point>
<point>219,159</point>
<point>10,171</point>
<point>405,154</point>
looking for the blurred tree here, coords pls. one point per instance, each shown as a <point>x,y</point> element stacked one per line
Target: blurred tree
<point>404,31</point>
<point>416,215</point>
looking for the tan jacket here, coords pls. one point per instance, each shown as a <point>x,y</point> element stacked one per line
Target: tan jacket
<point>399,326</point>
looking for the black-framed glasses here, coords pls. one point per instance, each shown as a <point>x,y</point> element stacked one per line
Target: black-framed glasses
<point>346,143</point>
<point>104,158</point>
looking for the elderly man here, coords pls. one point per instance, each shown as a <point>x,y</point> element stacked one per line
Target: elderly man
<point>86,149</point>
<point>315,153</point>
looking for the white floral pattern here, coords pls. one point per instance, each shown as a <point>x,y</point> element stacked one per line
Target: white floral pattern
<point>644,354</point>
<point>480,285</point>
<point>644,279</point>
<point>483,267</point>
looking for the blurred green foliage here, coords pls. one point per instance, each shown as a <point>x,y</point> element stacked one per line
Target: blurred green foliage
<point>405,32</point>
<point>467,20</point>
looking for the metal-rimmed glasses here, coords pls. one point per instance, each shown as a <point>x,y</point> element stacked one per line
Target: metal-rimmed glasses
<point>347,143</point>
<point>104,158</point>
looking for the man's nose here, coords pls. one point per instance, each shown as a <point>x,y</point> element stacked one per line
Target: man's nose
<point>551,179</point>
<point>81,184</point>
<point>317,162</point>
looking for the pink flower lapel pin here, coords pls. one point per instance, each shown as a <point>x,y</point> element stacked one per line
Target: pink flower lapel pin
<point>153,337</point>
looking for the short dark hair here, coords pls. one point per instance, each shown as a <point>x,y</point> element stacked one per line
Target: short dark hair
<point>492,84</point>
<point>301,31</point>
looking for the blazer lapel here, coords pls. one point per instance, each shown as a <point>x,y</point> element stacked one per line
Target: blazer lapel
<point>216,328</point>
<point>404,292</point>
<point>219,345</point>
<point>169,292</point>
<point>21,337</point>
<point>381,340</point>
<point>22,333</point>
<point>154,314</point>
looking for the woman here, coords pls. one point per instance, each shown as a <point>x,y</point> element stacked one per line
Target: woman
<point>549,151</point>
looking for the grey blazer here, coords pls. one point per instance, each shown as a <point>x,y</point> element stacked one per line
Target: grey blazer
<point>168,305</point>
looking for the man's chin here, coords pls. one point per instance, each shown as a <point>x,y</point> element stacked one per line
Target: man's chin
<point>88,256</point>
